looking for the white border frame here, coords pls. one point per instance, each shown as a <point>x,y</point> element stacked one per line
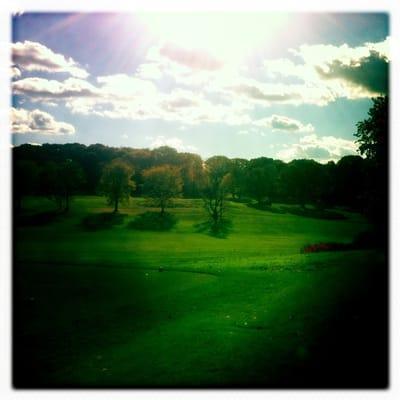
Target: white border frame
<point>7,8</point>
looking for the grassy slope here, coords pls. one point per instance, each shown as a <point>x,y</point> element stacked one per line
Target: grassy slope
<point>92,308</point>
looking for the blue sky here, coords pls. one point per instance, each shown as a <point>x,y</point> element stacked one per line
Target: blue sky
<point>244,85</point>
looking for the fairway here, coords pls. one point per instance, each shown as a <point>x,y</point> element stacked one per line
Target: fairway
<point>120,307</point>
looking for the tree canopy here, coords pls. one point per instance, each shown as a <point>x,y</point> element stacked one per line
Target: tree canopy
<point>116,182</point>
<point>372,133</point>
<point>162,183</point>
<point>215,188</point>
<point>373,138</point>
<point>299,181</point>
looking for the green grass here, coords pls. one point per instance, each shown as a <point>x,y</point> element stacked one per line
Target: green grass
<point>92,308</point>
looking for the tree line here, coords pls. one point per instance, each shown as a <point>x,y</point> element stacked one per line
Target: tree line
<point>59,170</point>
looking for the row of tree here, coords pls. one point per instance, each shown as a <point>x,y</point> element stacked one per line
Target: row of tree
<point>57,171</point>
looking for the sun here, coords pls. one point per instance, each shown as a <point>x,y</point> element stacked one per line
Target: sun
<point>227,36</point>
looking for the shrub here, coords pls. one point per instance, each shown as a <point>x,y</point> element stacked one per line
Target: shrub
<point>96,222</point>
<point>154,221</point>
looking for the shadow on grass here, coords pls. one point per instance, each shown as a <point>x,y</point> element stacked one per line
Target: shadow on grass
<point>299,211</point>
<point>242,200</point>
<point>153,221</point>
<point>39,219</point>
<point>220,231</point>
<point>95,222</point>
<point>313,213</point>
<point>265,207</point>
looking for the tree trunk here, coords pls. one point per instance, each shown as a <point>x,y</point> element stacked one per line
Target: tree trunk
<point>116,205</point>
<point>162,208</point>
<point>215,216</point>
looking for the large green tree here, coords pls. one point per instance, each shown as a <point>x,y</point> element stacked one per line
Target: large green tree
<point>261,179</point>
<point>237,177</point>
<point>116,182</point>
<point>373,138</point>
<point>372,133</point>
<point>162,183</point>
<point>192,174</point>
<point>71,178</point>
<point>350,181</point>
<point>303,181</point>
<point>60,180</point>
<point>215,189</point>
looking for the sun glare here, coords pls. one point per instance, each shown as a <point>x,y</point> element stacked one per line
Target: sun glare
<point>228,36</point>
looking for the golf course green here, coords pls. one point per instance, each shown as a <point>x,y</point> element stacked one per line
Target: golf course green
<point>101,303</point>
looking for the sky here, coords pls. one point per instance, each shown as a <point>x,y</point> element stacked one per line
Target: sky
<point>280,85</point>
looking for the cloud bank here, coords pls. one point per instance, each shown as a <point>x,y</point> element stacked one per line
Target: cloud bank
<point>33,56</point>
<point>282,123</point>
<point>323,149</point>
<point>38,122</point>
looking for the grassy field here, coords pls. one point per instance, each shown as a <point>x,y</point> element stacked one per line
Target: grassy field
<point>121,307</point>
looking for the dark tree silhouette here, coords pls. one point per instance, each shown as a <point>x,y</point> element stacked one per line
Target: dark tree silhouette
<point>71,178</point>
<point>372,133</point>
<point>237,177</point>
<point>264,179</point>
<point>373,138</point>
<point>261,178</point>
<point>58,181</point>
<point>350,182</point>
<point>25,180</point>
<point>303,181</point>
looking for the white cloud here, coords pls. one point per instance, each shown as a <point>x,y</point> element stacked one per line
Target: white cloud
<point>180,99</point>
<point>174,142</point>
<point>124,86</point>
<point>38,122</point>
<point>285,67</point>
<point>40,89</point>
<point>15,72</point>
<point>282,123</point>
<point>323,149</point>
<point>195,59</point>
<point>225,80</point>
<point>383,48</point>
<point>33,56</point>
<point>124,97</point>
<point>187,66</point>
<point>267,94</point>
<point>150,71</point>
<point>336,71</point>
<point>255,92</point>
<point>325,54</point>
<point>200,89</point>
